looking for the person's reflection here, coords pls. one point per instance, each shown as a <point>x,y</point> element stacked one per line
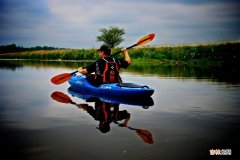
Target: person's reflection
<point>105,113</point>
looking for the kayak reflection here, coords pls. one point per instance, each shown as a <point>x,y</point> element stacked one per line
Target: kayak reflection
<point>145,102</point>
<point>106,112</point>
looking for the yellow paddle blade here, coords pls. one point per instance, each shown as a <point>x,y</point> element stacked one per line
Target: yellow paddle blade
<point>145,39</point>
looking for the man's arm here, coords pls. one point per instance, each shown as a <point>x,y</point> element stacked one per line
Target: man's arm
<point>82,70</point>
<point>126,55</point>
<point>88,70</point>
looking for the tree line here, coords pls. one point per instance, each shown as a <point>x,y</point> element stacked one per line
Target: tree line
<point>14,48</point>
<point>111,36</point>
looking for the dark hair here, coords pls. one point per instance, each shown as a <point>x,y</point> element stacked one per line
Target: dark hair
<point>105,49</point>
<point>104,127</point>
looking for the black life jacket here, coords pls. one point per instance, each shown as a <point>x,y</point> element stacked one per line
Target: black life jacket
<point>111,72</point>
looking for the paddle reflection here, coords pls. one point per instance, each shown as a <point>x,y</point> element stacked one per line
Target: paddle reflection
<point>106,111</point>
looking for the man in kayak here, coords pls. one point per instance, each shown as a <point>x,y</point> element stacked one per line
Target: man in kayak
<point>106,68</point>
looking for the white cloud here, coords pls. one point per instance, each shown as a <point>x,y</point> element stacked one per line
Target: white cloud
<point>75,23</point>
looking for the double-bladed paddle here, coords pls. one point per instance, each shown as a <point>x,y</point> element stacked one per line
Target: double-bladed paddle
<point>61,78</point>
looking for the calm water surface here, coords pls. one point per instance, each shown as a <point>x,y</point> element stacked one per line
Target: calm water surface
<point>188,118</point>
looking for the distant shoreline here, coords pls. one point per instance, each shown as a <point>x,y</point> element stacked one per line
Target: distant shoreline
<point>50,60</point>
<point>222,53</point>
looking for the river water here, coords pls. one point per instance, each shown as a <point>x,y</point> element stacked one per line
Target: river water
<point>189,116</point>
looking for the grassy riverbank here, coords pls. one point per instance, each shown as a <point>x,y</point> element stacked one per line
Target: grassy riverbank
<point>221,53</point>
<point>61,54</point>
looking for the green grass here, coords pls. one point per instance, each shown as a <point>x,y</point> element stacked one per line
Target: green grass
<point>65,54</point>
<point>221,53</point>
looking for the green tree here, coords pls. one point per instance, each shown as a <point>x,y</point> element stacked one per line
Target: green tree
<point>112,36</point>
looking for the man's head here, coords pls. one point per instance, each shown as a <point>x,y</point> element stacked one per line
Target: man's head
<point>105,49</point>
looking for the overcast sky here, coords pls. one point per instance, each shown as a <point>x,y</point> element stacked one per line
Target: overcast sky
<point>76,23</point>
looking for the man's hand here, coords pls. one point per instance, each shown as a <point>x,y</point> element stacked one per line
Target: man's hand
<point>82,71</point>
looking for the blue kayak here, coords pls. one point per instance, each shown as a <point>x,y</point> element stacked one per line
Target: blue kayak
<point>80,83</point>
